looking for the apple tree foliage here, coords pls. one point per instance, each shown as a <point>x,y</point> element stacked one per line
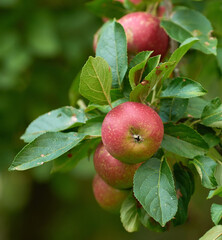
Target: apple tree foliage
<point>162,186</point>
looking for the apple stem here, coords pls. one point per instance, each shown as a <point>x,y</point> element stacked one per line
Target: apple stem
<point>137,138</point>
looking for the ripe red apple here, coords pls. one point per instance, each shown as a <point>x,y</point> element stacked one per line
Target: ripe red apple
<point>143,33</point>
<point>132,132</point>
<point>161,11</point>
<point>117,174</point>
<point>108,197</point>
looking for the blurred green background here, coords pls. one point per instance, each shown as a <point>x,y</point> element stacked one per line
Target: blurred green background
<point>43,45</point>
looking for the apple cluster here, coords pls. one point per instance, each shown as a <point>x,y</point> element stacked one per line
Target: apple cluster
<point>131,133</point>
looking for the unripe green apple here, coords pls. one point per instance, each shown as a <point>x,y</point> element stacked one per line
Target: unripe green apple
<point>132,132</point>
<point>108,198</point>
<point>143,33</point>
<point>117,174</point>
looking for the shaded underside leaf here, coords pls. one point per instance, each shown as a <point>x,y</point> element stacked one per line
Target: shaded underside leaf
<point>129,215</point>
<point>184,181</point>
<point>149,222</point>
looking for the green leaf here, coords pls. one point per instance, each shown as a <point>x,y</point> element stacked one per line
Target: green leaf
<point>116,94</point>
<point>142,90</point>
<point>151,64</point>
<point>45,148</point>
<point>179,53</point>
<point>96,80</point>
<point>211,139</point>
<point>139,58</point>
<point>105,108</point>
<point>172,109</point>
<point>183,141</point>
<point>129,215</point>
<point>195,107</point>
<point>183,88</point>
<point>184,181</point>
<point>112,46</point>
<point>54,121</point>
<point>208,135</point>
<point>213,234</point>
<point>92,128</point>
<point>212,114</point>
<point>218,173</point>
<point>161,72</point>
<point>149,222</point>
<point>216,213</point>
<point>106,8</point>
<point>216,192</point>
<point>154,189</point>
<point>138,65</point>
<point>205,167</point>
<point>69,160</point>
<point>185,23</point>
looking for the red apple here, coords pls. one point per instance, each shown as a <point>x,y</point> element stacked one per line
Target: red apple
<point>108,197</point>
<point>132,132</point>
<point>143,33</point>
<point>117,174</point>
<point>161,11</point>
